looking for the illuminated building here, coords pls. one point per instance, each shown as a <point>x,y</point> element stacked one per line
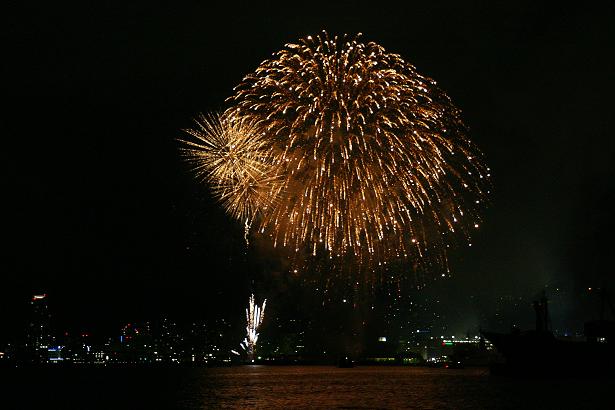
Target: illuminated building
<point>81,351</point>
<point>39,337</point>
<point>134,345</point>
<point>54,354</point>
<point>198,342</point>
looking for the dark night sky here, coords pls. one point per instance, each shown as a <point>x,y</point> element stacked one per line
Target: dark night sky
<point>100,212</point>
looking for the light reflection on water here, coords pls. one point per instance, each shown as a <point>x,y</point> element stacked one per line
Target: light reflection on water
<point>291,387</point>
<point>381,387</point>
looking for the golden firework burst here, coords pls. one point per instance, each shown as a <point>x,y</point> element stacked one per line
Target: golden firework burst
<point>234,157</point>
<point>363,155</point>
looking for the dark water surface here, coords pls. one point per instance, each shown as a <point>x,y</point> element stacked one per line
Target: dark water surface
<point>292,387</point>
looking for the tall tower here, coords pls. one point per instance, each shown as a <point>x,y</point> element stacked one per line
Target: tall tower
<point>39,331</point>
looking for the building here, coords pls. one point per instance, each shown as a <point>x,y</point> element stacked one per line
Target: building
<point>39,337</point>
<point>55,354</point>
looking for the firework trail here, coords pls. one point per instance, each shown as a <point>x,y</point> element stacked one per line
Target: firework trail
<point>340,148</point>
<point>254,317</point>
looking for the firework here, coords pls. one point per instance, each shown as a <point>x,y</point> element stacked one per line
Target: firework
<point>235,158</point>
<point>254,317</point>
<point>347,151</point>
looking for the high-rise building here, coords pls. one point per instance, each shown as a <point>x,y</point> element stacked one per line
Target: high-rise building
<point>39,337</point>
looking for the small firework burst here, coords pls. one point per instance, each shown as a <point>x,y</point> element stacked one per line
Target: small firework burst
<point>254,318</point>
<point>233,156</point>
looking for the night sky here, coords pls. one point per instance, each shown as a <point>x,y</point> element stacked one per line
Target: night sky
<point>100,212</point>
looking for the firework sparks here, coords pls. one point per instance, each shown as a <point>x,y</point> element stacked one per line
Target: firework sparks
<point>336,146</point>
<point>254,317</point>
<point>235,158</point>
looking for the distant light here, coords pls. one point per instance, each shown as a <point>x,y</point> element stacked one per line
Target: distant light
<point>382,339</point>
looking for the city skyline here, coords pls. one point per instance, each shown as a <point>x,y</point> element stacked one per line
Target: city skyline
<point>165,341</point>
<point>409,327</point>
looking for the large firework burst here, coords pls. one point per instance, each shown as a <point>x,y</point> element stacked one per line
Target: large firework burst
<point>358,153</point>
